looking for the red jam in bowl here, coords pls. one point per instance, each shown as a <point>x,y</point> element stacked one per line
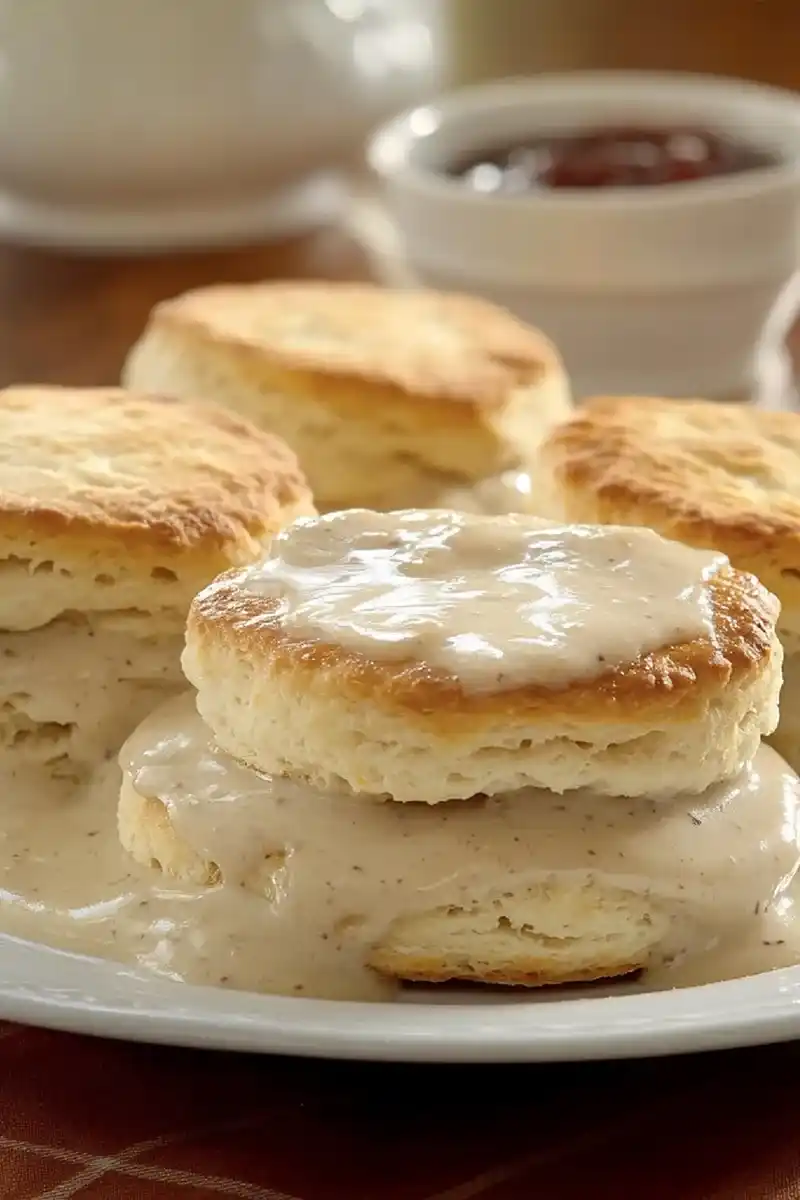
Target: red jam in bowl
<point>608,158</point>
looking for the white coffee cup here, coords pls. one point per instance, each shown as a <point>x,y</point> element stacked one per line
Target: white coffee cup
<point>147,122</point>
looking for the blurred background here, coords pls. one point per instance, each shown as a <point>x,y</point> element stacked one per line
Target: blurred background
<point>754,39</point>
<point>149,146</point>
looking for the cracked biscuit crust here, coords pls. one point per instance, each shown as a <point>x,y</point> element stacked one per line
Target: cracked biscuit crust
<point>678,719</point>
<point>388,397</point>
<point>423,345</point>
<point>726,477</point>
<point>668,684</point>
<point>115,500</point>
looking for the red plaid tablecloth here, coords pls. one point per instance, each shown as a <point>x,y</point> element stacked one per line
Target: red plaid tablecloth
<point>93,1119</point>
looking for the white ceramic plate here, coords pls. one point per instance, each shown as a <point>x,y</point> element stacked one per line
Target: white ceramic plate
<point>45,987</point>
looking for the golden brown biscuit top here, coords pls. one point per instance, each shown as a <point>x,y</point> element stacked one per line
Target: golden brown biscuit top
<point>675,681</point>
<point>714,475</point>
<point>147,472</point>
<point>424,344</point>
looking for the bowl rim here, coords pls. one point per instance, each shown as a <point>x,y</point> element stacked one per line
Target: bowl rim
<point>393,150</point>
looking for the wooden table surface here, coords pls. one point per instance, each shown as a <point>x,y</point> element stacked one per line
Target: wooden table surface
<point>86,1118</point>
<point>65,319</point>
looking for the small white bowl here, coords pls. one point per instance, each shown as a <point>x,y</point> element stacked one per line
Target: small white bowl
<point>669,290</point>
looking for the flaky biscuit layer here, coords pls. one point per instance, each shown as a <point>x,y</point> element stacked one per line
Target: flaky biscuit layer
<point>553,933</point>
<point>112,500</point>
<point>388,397</point>
<point>726,477</point>
<point>679,719</point>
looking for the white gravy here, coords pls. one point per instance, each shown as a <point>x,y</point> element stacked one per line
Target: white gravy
<point>494,601</point>
<point>720,865</point>
<point>77,686</point>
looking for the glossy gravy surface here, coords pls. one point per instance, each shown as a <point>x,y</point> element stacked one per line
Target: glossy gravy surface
<point>311,882</point>
<point>497,602</point>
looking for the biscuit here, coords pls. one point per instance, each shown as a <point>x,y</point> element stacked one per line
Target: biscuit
<point>720,476</point>
<point>556,929</point>
<point>550,934</point>
<point>71,691</point>
<point>115,509</point>
<point>526,888</point>
<point>390,398</point>
<point>677,718</point>
<point>786,738</point>
<point>112,501</point>
<point>147,834</point>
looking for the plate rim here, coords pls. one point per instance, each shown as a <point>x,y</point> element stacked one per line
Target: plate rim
<point>49,988</point>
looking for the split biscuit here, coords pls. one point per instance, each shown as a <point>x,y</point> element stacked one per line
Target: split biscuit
<point>111,501</point>
<point>148,835</point>
<point>556,928</point>
<point>526,889</point>
<point>676,719</point>
<point>725,477</point>
<point>115,508</point>
<point>545,936</point>
<point>71,691</point>
<point>552,933</point>
<point>390,398</point>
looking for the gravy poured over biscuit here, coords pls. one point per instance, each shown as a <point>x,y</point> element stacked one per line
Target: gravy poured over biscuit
<point>249,877</point>
<point>308,886</point>
<point>493,602</point>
